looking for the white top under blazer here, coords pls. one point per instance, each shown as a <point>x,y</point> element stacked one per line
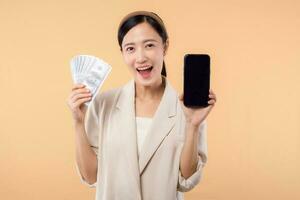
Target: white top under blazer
<point>142,127</point>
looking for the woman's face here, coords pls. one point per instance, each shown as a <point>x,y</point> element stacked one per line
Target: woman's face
<point>143,52</point>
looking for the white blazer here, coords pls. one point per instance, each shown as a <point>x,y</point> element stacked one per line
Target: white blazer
<point>155,175</point>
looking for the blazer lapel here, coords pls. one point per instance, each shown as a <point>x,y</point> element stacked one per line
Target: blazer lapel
<point>163,122</point>
<point>126,118</point>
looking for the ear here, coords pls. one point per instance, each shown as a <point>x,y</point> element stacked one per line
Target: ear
<point>166,46</point>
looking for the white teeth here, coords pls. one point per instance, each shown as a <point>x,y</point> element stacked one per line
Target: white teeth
<point>144,68</point>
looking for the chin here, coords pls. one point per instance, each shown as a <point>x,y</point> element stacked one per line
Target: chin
<point>146,82</point>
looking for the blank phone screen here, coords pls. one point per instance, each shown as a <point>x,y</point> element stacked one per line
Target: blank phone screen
<point>196,80</point>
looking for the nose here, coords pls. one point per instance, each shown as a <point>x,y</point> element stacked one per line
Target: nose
<point>140,56</point>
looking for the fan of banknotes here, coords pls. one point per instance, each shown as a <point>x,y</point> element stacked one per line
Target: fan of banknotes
<point>90,71</point>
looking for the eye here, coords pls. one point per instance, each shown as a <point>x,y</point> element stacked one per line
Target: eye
<point>150,45</point>
<point>129,49</point>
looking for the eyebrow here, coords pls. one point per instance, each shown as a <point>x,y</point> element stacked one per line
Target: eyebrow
<point>148,40</point>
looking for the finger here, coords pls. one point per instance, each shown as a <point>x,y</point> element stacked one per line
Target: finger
<point>80,96</point>
<point>212,97</point>
<point>77,103</point>
<point>76,92</point>
<point>78,86</point>
<point>211,92</point>
<point>79,91</point>
<point>211,102</point>
<point>181,97</point>
<point>81,101</point>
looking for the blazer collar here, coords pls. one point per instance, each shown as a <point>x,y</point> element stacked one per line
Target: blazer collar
<point>127,97</point>
<point>163,122</point>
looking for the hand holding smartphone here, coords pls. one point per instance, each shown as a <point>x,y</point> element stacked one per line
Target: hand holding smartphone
<point>196,80</point>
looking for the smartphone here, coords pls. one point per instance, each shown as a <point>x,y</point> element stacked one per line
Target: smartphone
<point>196,78</point>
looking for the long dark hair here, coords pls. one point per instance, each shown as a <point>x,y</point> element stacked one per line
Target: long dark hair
<point>138,17</point>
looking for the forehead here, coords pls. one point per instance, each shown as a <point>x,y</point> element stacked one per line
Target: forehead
<point>141,32</point>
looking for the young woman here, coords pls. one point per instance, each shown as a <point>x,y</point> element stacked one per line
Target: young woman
<point>139,141</point>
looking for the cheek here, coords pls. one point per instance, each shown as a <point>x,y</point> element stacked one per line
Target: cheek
<point>128,60</point>
<point>159,60</point>
<point>157,56</point>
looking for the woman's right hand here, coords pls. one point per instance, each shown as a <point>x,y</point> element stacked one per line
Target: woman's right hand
<point>79,95</point>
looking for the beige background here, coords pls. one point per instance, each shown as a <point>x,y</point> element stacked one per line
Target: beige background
<point>254,130</point>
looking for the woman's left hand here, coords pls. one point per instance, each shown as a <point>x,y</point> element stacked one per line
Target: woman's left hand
<point>195,116</point>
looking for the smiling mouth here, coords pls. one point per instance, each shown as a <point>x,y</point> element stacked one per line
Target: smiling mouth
<point>148,69</point>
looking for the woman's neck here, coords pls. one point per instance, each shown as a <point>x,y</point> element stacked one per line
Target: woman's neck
<point>150,92</point>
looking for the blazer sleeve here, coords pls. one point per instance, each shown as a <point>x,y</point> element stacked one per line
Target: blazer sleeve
<point>185,185</point>
<point>92,129</point>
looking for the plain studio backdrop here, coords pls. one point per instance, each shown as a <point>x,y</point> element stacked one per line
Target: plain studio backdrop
<point>253,131</point>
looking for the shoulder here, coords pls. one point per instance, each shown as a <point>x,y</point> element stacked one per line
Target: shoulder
<point>107,97</point>
<point>103,100</point>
